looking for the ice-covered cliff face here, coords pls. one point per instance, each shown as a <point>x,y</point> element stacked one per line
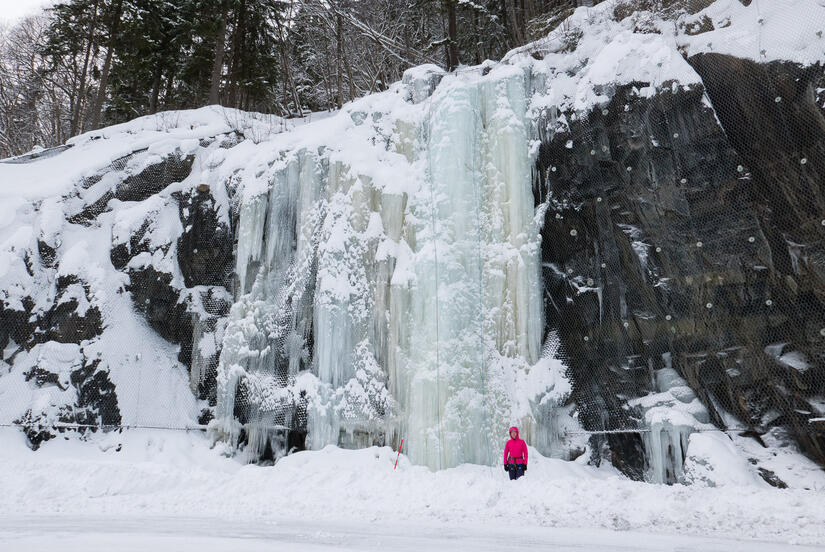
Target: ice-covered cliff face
<point>394,292</point>
<point>588,236</point>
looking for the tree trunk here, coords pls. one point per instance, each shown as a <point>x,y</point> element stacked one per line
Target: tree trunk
<point>107,66</point>
<point>153,99</point>
<point>235,65</point>
<point>515,21</point>
<point>168,95</point>
<point>217,65</point>
<point>350,79</point>
<point>285,60</point>
<point>339,59</point>
<point>81,87</point>
<point>452,33</point>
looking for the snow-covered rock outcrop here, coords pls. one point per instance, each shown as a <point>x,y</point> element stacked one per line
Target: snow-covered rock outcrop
<point>587,236</point>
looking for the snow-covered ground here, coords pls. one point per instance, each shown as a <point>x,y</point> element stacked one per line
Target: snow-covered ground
<point>170,491</point>
<point>176,534</point>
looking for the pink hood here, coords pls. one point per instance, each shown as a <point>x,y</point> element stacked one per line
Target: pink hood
<point>516,449</point>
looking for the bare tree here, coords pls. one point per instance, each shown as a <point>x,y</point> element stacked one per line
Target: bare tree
<point>35,107</point>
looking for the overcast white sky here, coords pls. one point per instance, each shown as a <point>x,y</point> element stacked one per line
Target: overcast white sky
<point>12,10</point>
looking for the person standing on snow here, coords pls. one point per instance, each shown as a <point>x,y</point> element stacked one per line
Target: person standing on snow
<point>515,455</point>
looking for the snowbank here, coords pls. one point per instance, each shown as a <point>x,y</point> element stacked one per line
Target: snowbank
<point>177,474</point>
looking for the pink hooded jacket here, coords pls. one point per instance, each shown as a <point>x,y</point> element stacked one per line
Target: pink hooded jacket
<point>515,449</point>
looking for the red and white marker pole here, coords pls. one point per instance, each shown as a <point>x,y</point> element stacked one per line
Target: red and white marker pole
<point>399,454</point>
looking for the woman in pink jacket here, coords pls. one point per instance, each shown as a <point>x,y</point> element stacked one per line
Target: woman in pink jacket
<point>515,455</point>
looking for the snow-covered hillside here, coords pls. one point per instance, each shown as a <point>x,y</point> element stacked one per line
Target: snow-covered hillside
<point>587,239</point>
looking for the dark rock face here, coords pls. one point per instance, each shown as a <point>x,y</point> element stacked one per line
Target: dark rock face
<point>670,240</point>
<point>14,324</point>
<point>194,309</point>
<point>154,178</point>
<point>96,404</point>
<point>776,123</point>
<point>160,302</point>
<point>96,397</point>
<point>60,316</point>
<point>136,187</point>
<point>90,212</point>
<point>122,253</point>
<point>205,247</point>
<point>66,321</point>
<point>48,254</point>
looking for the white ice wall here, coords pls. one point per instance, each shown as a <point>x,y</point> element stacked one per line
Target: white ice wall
<point>425,310</point>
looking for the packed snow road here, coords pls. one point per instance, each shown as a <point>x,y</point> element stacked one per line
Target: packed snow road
<point>171,491</point>
<point>171,534</point>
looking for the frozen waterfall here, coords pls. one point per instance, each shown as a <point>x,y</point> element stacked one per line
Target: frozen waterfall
<point>368,310</point>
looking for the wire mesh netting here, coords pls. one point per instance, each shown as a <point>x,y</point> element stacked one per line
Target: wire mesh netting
<point>613,270</point>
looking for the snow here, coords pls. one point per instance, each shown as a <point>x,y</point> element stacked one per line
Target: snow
<point>713,459</point>
<point>584,59</point>
<point>401,230</point>
<point>204,534</point>
<point>159,134</point>
<point>118,480</point>
<point>766,30</point>
<point>795,470</point>
<point>795,360</point>
<point>152,386</point>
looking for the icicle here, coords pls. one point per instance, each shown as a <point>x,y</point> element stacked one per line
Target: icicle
<point>250,240</point>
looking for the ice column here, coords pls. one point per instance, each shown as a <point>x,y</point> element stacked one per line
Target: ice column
<point>676,412</point>
<point>474,301</point>
<point>265,341</point>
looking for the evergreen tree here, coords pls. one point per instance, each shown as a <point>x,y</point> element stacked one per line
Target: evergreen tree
<point>99,62</point>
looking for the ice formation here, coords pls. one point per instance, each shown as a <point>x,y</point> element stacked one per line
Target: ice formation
<point>382,307</point>
<point>672,416</point>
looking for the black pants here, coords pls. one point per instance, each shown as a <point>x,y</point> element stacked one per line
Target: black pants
<point>516,470</point>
